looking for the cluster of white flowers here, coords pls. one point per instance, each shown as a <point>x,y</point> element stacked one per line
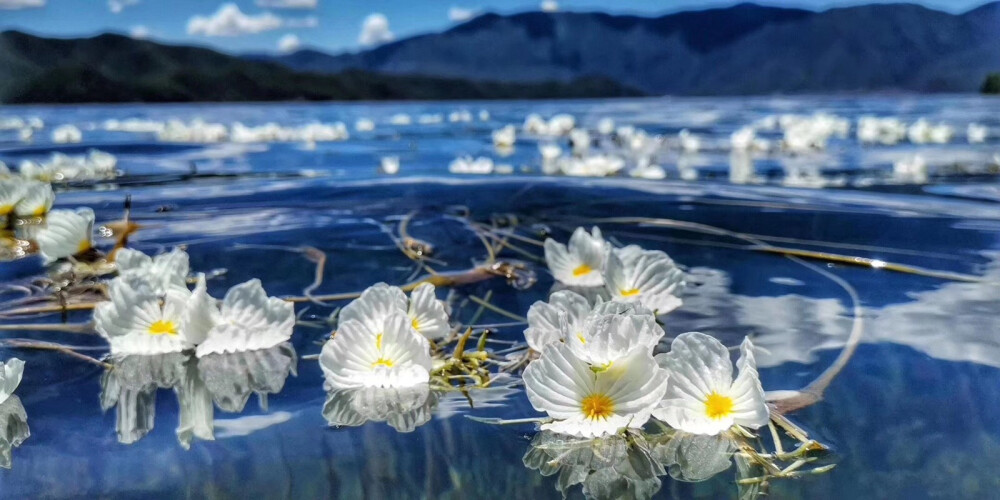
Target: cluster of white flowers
<point>24,198</point>
<point>470,165</point>
<point>382,339</point>
<point>629,274</point>
<point>95,165</point>
<point>596,373</point>
<point>152,311</point>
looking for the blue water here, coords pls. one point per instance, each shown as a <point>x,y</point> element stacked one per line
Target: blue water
<point>912,415</point>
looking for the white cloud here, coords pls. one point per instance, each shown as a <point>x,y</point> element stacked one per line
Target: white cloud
<point>550,6</point>
<point>289,43</point>
<point>116,6</point>
<point>375,30</point>
<point>461,14</point>
<point>288,4</point>
<point>230,21</point>
<point>139,32</point>
<point>21,4</point>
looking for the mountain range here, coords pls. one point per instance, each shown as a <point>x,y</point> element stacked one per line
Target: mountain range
<point>115,68</point>
<point>743,49</point>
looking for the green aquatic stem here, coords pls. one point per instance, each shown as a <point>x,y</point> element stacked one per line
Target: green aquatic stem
<point>502,312</point>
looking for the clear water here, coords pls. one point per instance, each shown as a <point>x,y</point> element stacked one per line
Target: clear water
<point>912,414</point>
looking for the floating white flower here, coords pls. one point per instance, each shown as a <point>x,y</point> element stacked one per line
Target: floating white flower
<point>395,357</point>
<point>249,320</point>
<point>505,137</point>
<point>389,165</point>
<point>611,331</point>
<point>36,199</point>
<point>427,314</point>
<point>649,277</point>
<point>162,272</point>
<point>702,396</point>
<point>10,377</point>
<point>592,401</point>
<point>551,321</point>
<point>374,307</point>
<point>138,321</point>
<point>66,233</point>
<point>11,191</point>
<point>581,262</point>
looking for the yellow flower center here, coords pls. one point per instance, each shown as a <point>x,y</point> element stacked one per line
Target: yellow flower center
<point>83,246</point>
<point>382,362</point>
<point>630,293</point>
<point>40,211</point>
<point>163,327</point>
<point>416,324</point>
<point>597,406</point>
<point>582,270</point>
<point>718,406</point>
<point>6,209</point>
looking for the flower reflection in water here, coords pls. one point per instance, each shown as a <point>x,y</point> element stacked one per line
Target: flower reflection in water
<point>132,383</point>
<point>406,408</point>
<point>403,408</point>
<point>232,377</point>
<point>13,419</point>
<point>631,464</point>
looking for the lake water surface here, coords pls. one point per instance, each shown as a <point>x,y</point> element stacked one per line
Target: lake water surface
<point>912,414</point>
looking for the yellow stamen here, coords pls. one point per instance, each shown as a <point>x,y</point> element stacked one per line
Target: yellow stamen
<point>601,368</point>
<point>580,337</point>
<point>718,406</point>
<point>378,342</point>
<point>40,211</point>
<point>6,209</point>
<point>582,270</point>
<point>630,293</point>
<point>416,324</point>
<point>83,246</point>
<point>163,327</point>
<point>382,362</point>
<point>597,407</point>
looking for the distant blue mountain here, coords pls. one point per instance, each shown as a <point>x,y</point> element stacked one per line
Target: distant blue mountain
<point>744,49</point>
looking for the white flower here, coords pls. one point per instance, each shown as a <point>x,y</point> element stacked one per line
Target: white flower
<point>66,233</point>
<point>138,321</point>
<point>11,191</point>
<point>612,331</point>
<point>649,277</point>
<point>551,321</point>
<point>162,272</point>
<point>427,314</point>
<point>590,402</point>
<point>396,357</point>
<point>10,377</point>
<point>702,396</point>
<point>249,320</point>
<point>581,263</point>
<point>389,165</point>
<point>36,199</point>
<point>505,137</point>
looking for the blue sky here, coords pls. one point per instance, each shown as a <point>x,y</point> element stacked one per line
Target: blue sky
<point>332,25</point>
